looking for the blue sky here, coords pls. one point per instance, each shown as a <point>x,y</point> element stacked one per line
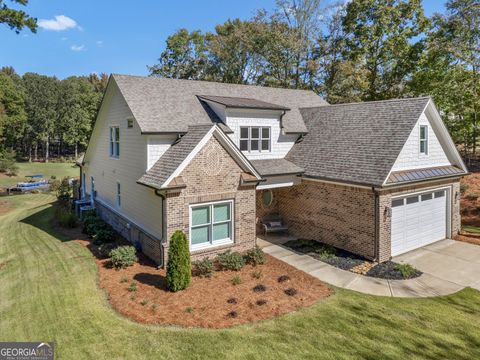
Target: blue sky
<point>81,37</point>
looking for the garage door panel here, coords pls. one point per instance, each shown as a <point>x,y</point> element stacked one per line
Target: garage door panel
<point>421,220</point>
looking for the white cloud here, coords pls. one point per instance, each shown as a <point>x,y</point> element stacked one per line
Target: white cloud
<point>78,48</point>
<point>61,22</point>
<point>99,43</point>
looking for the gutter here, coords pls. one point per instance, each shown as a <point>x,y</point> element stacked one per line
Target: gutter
<point>164,223</point>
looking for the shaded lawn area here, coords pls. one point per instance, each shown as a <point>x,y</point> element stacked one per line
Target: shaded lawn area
<point>49,292</point>
<point>60,170</point>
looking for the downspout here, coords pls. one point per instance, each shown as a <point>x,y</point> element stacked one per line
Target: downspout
<point>164,222</point>
<point>377,227</point>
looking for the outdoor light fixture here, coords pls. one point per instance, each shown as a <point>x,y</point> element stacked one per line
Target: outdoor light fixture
<point>387,212</point>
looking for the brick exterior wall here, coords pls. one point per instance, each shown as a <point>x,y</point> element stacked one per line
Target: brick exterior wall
<point>345,216</point>
<point>338,215</point>
<point>213,175</point>
<point>385,210</point>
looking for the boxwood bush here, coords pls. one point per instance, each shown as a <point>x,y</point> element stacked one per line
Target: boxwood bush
<point>203,267</point>
<point>179,268</point>
<point>230,261</point>
<point>254,256</point>
<point>123,256</point>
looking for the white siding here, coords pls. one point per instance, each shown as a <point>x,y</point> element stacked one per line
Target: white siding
<point>280,143</point>
<point>157,145</point>
<point>410,156</point>
<point>139,203</point>
<point>219,109</point>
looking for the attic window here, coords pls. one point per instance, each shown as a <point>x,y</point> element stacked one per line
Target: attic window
<point>424,139</point>
<point>129,123</point>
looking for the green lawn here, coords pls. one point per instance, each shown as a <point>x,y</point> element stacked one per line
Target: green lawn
<point>46,169</point>
<point>48,291</point>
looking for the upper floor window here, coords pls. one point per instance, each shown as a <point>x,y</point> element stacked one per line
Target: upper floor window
<point>424,139</point>
<point>254,138</point>
<point>129,123</point>
<point>115,141</point>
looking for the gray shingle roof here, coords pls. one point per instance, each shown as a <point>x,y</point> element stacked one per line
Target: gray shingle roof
<point>174,156</point>
<point>276,167</point>
<point>245,103</point>
<point>356,143</point>
<point>171,105</point>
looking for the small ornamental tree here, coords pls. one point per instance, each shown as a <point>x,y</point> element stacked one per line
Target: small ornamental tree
<point>179,268</point>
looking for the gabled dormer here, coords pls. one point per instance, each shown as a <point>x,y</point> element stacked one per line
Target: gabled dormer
<point>255,126</point>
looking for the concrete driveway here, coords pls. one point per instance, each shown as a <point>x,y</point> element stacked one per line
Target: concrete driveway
<point>449,260</point>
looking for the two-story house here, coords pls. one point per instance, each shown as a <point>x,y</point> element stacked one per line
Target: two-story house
<point>212,159</point>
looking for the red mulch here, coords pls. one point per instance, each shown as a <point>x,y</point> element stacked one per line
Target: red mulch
<point>470,208</point>
<point>204,302</point>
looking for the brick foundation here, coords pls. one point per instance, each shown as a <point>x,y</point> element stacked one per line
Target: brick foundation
<point>131,232</point>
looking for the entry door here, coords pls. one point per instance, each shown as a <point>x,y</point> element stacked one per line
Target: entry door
<point>418,220</point>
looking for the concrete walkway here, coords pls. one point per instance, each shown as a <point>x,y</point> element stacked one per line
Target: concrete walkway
<point>444,270</point>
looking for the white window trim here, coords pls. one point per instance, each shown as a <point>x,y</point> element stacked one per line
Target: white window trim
<point>113,151</point>
<point>260,138</point>
<point>423,140</point>
<point>211,243</point>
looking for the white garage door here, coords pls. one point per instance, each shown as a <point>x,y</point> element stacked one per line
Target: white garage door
<point>418,220</point>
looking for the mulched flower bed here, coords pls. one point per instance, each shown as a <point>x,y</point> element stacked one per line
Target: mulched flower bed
<point>208,302</point>
<point>345,260</point>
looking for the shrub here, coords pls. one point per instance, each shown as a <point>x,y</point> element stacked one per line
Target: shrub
<point>259,288</point>
<point>232,314</point>
<point>232,300</point>
<point>189,309</point>
<point>106,249</point>
<point>103,234</point>
<point>257,274</point>
<point>464,188</point>
<point>230,261</point>
<point>90,221</point>
<point>132,287</point>
<point>7,162</point>
<point>123,280</point>
<point>203,267</point>
<point>255,256</point>
<point>123,256</point>
<point>406,270</point>
<point>261,302</point>
<point>283,278</point>
<point>291,291</point>
<point>144,302</point>
<point>154,308</point>
<point>236,280</point>
<point>472,196</point>
<point>64,191</point>
<point>326,251</point>
<point>179,269</point>
<point>67,219</point>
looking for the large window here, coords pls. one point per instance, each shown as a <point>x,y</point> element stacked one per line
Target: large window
<point>211,224</point>
<point>254,138</point>
<point>424,139</point>
<point>115,141</point>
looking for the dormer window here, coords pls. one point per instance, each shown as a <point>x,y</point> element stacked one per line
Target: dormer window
<point>424,139</point>
<point>254,138</point>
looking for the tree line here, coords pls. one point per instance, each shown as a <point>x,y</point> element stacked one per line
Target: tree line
<point>361,50</point>
<point>41,116</point>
